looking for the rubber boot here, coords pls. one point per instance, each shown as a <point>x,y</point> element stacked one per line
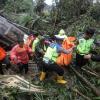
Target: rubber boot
<point>42,76</point>
<point>61,80</point>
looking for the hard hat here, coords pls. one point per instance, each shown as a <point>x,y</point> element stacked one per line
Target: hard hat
<point>61,32</point>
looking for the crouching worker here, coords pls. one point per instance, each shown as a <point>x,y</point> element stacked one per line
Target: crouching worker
<point>84,47</point>
<point>50,57</point>
<point>4,60</point>
<point>20,56</point>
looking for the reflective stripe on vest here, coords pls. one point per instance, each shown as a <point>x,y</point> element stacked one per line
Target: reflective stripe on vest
<point>84,46</point>
<point>51,54</point>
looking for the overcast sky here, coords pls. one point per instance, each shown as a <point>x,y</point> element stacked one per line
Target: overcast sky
<point>95,1</point>
<point>49,2</point>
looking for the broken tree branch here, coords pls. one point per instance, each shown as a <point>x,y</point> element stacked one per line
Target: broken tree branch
<point>94,89</point>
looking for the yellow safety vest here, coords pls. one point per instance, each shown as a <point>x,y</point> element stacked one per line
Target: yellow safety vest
<point>50,55</point>
<point>84,46</point>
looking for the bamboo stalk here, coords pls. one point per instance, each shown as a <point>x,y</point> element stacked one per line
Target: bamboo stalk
<point>81,94</point>
<point>93,71</point>
<point>89,72</point>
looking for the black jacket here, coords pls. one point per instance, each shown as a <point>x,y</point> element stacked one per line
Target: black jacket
<point>95,58</point>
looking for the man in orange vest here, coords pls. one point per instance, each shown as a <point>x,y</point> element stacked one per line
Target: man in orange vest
<point>65,59</point>
<point>3,60</point>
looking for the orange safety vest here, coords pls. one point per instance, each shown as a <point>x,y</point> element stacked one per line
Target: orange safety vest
<point>2,53</point>
<point>65,59</point>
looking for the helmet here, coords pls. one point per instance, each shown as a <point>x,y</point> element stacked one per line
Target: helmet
<point>61,32</point>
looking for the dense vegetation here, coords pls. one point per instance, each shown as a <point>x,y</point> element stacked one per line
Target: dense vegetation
<point>73,16</point>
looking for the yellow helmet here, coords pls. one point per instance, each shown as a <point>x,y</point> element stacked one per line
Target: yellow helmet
<point>61,32</point>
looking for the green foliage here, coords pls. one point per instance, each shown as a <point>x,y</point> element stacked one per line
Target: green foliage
<point>95,12</point>
<point>2,3</point>
<point>67,9</point>
<point>96,98</point>
<point>39,6</point>
<point>17,6</point>
<point>81,24</point>
<point>72,15</point>
<point>23,19</point>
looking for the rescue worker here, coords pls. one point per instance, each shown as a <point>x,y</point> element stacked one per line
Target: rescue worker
<point>62,32</point>
<point>39,52</point>
<point>50,57</point>
<point>94,57</point>
<point>65,59</point>
<point>4,60</point>
<point>20,56</point>
<point>40,48</point>
<point>84,47</point>
<point>35,42</point>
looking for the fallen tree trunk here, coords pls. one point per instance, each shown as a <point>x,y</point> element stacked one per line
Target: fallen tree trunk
<point>20,83</point>
<point>94,89</point>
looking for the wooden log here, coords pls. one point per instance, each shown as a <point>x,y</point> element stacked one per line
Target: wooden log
<point>93,88</point>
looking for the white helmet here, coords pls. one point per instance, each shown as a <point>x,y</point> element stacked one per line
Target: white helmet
<point>60,37</point>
